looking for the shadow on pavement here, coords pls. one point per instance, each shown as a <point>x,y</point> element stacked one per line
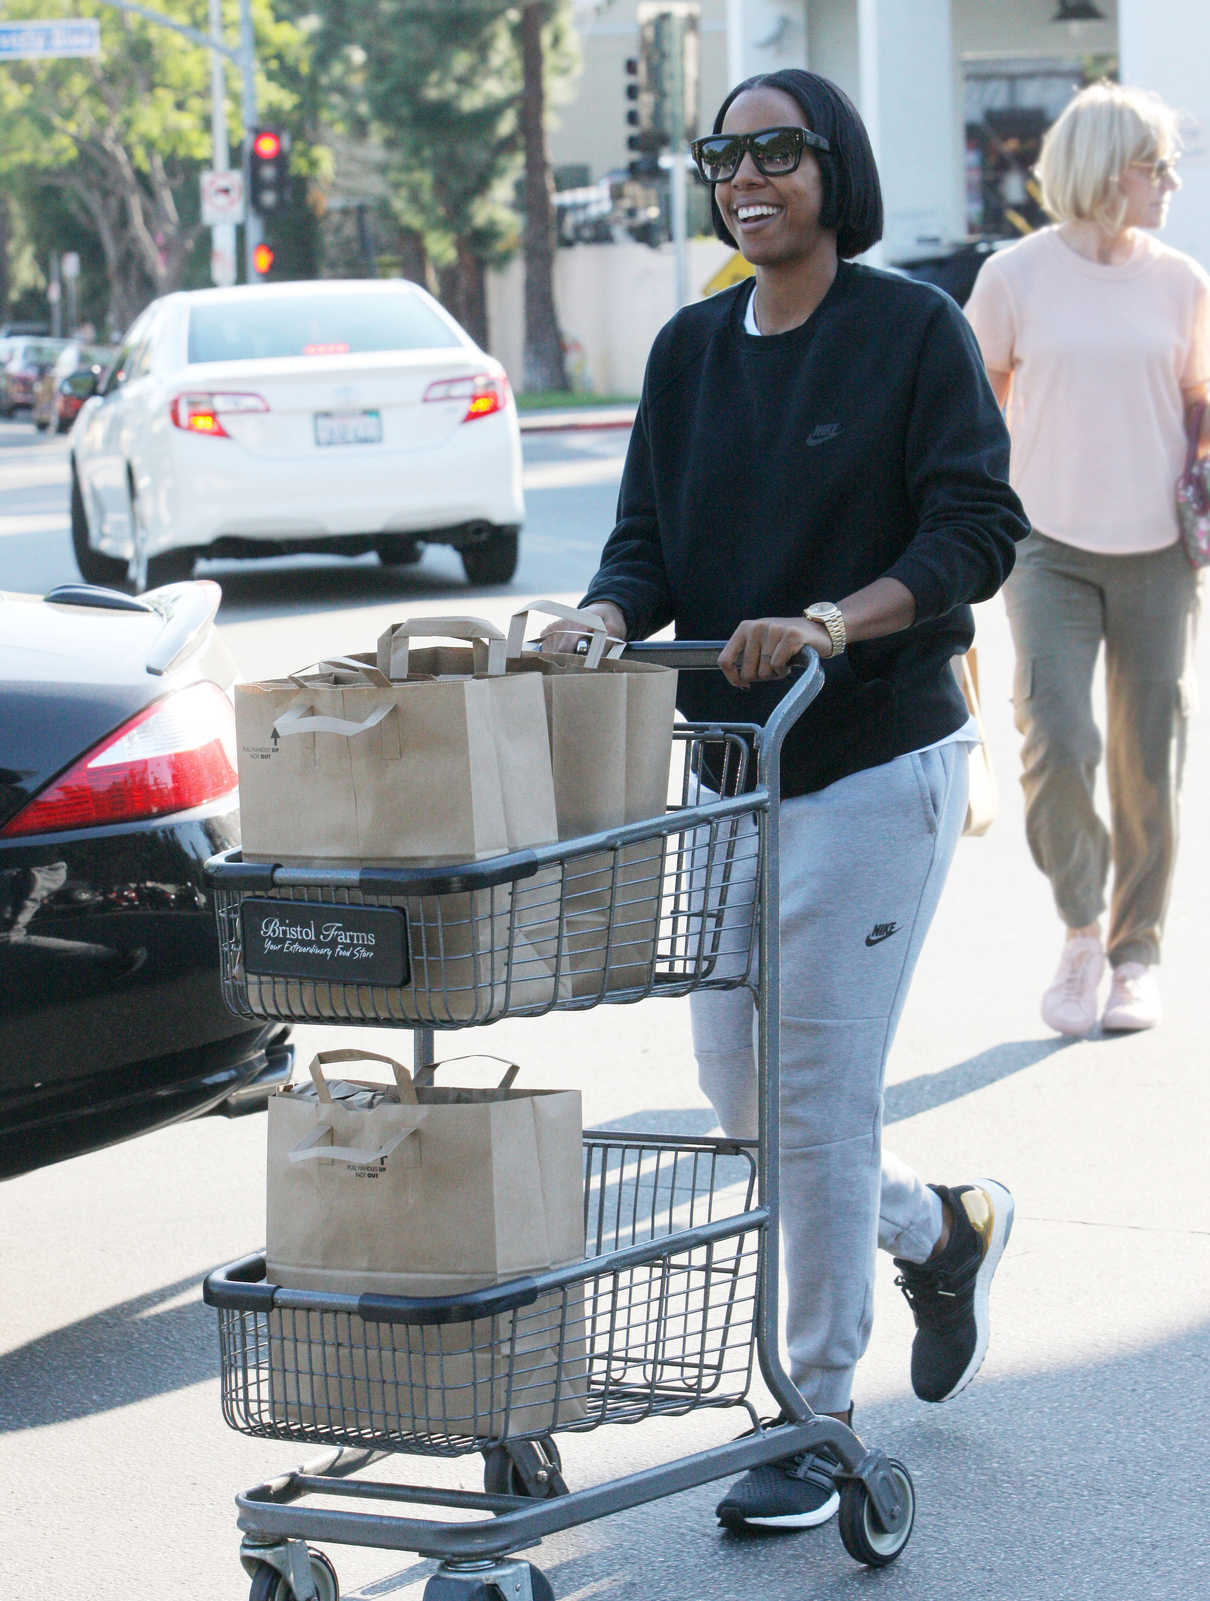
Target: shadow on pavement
<point>927,1091</point>
<point>1064,1485</point>
<point>124,1354</point>
<point>282,586</point>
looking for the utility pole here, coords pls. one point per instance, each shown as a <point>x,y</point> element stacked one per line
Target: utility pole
<point>244,55</point>
<point>668,94</point>
<point>222,234</point>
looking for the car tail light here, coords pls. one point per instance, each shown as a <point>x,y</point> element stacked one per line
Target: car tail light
<point>175,754</point>
<point>483,394</point>
<point>202,413</point>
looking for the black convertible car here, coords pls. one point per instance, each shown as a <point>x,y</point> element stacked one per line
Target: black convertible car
<point>117,781</point>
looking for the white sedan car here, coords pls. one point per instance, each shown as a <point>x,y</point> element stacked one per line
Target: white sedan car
<point>338,417</point>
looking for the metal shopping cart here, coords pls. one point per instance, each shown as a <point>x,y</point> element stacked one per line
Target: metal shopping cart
<point>676,1304</point>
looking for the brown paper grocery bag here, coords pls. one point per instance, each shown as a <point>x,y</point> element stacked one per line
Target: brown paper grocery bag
<point>346,1378</point>
<point>411,757</point>
<point>437,1183</point>
<point>419,1190</point>
<point>443,759</point>
<point>610,723</point>
<point>983,802</point>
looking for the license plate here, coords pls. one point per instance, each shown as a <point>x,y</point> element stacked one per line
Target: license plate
<point>343,944</point>
<point>348,428</point>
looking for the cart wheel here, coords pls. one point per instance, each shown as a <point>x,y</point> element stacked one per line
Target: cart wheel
<point>524,1467</point>
<point>270,1585</point>
<point>540,1585</point>
<point>861,1529</point>
<point>442,1587</point>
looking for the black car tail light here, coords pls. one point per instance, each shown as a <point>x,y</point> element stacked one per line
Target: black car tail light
<point>177,753</point>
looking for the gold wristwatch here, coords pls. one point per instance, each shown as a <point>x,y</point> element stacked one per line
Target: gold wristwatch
<point>832,618</point>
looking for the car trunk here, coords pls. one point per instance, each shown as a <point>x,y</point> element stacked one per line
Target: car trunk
<point>69,675</point>
<point>344,405</point>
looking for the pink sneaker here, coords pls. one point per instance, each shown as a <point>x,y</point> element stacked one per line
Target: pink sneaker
<point>1069,1006</point>
<point>1134,998</point>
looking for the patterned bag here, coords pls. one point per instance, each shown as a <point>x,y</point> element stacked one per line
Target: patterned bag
<point>1193,496</point>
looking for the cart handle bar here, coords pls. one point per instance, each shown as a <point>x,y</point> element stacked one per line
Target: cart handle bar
<point>697,655</point>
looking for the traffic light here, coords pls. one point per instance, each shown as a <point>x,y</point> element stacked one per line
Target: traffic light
<point>262,260</point>
<point>643,139</point>
<point>269,171</point>
<point>662,83</point>
<point>669,48</point>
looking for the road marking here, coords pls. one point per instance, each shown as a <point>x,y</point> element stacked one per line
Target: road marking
<point>572,474</point>
<point>33,523</point>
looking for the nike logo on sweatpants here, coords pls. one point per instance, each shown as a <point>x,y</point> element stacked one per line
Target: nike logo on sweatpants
<point>881,931</point>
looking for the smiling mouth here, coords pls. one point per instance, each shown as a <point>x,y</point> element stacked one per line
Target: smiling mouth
<point>755,213</point>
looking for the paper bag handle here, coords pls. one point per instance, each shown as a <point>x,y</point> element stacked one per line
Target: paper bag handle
<point>424,1075</point>
<point>363,672</point>
<point>600,644</point>
<point>353,1053</point>
<point>300,717</point>
<point>310,1150</point>
<point>393,642</point>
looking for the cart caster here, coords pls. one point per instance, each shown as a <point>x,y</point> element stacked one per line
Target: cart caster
<point>508,1580</point>
<point>524,1467</point>
<point>861,1529</point>
<point>272,1584</point>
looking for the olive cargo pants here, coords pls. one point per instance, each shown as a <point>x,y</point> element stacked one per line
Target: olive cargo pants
<point>1063,605</point>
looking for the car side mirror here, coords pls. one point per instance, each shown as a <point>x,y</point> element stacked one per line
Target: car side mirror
<point>82,384</point>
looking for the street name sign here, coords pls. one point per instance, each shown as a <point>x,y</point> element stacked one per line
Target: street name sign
<point>25,41</point>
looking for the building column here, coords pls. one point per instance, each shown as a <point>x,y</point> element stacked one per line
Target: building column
<point>1165,45</point>
<point>906,94</point>
<point>895,59</point>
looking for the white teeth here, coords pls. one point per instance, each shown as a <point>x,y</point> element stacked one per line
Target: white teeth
<point>747,213</point>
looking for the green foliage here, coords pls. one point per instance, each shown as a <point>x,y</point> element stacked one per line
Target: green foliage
<point>123,138</point>
<point>438,84</point>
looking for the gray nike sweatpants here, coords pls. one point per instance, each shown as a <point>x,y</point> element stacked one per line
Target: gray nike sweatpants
<point>863,863</point>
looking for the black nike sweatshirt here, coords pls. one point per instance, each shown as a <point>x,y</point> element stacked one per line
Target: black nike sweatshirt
<point>768,472</point>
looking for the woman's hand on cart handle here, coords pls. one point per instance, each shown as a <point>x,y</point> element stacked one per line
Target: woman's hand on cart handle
<point>763,648</point>
<point>558,637</point>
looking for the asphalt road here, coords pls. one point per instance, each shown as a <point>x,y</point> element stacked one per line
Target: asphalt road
<point>1074,1467</point>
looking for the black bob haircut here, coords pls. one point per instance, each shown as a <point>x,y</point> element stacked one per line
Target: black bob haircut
<point>852,194</point>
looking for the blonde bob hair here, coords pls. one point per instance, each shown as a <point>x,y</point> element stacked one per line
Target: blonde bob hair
<point>1096,137</point>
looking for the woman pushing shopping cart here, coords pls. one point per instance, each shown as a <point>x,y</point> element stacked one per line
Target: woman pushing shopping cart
<point>817,481</point>
<point>818,461</point>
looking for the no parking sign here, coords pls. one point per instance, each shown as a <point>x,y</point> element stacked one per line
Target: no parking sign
<point>222,198</point>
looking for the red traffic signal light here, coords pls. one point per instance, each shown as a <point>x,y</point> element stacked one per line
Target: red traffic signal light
<point>269,170</point>
<point>262,259</point>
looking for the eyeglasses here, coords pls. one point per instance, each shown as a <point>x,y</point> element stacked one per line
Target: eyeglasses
<point>1159,171</point>
<point>776,151</point>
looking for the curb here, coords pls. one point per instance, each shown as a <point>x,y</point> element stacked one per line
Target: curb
<point>548,422</point>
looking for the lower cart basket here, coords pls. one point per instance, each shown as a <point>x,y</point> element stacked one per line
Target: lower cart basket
<point>659,1319</point>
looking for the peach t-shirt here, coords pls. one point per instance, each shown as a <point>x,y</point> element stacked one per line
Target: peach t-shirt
<point>1099,356</point>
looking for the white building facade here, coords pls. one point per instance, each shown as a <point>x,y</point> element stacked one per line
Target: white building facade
<point>955,93</point>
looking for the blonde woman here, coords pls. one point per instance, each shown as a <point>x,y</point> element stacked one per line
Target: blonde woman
<point>1098,338</point>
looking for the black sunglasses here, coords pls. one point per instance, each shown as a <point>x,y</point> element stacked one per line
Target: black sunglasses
<point>776,151</point>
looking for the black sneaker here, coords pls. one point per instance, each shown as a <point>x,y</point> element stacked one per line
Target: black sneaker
<point>948,1296</point>
<point>795,1492</point>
